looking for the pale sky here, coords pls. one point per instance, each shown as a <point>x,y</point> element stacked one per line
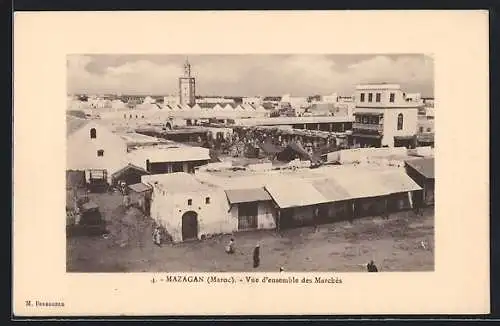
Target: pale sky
<point>248,75</point>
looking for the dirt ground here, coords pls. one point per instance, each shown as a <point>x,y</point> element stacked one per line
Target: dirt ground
<point>404,242</point>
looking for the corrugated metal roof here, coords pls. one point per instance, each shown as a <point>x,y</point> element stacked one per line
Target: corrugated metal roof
<point>140,187</point>
<point>236,196</point>
<point>362,184</point>
<point>366,184</point>
<point>398,181</point>
<point>292,192</point>
<point>424,166</point>
<point>331,190</point>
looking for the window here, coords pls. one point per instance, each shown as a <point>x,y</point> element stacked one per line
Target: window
<point>100,152</point>
<point>377,97</point>
<point>358,119</point>
<point>421,129</point>
<point>130,117</point>
<point>124,116</point>
<point>370,97</point>
<point>400,121</point>
<point>93,133</point>
<point>391,97</point>
<point>428,129</point>
<point>190,202</point>
<point>362,99</point>
<point>365,119</point>
<point>136,116</point>
<point>207,200</point>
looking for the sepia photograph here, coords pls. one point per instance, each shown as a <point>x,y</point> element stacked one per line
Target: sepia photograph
<point>258,163</point>
<point>273,156</point>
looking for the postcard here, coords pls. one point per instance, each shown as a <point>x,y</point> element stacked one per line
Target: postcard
<point>243,163</point>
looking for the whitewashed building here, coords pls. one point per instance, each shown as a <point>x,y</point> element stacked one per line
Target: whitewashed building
<point>187,208</point>
<point>384,116</point>
<point>92,146</point>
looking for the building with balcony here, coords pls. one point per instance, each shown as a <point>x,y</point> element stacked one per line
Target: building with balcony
<point>384,117</point>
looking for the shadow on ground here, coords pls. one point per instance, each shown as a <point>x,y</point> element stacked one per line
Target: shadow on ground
<point>404,242</point>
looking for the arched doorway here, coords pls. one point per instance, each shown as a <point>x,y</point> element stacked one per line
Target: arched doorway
<point>168,126</point>
<point>189,226</point>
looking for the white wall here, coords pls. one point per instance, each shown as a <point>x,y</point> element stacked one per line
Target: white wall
<point>399,97</point>
<point>213,218</point>
<point>81,150</point>
<point>333,98</point>
<point>410,124</point>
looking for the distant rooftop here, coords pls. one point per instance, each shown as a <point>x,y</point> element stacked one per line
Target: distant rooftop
<point>136,138</point>
<point>378,86</point>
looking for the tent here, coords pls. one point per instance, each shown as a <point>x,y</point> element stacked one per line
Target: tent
<point>269,149</point>
<point>292,152</point>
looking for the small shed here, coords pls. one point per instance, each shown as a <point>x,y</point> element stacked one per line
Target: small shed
<point>131,174</point>
<point>140,196</point>
<point>252,208</point>
<point>421,170</point>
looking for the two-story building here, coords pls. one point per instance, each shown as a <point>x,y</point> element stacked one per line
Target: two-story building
<point>384,117</point>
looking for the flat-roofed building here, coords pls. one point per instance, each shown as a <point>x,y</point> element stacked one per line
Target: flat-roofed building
<point>384,116</point>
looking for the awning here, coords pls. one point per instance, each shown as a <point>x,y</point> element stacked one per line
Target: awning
<point>404,137</point>
<point>366,136</point>
<point>235,196</point>
<point>140,187</point>
<point>426,138</point>
<point>377,114</point>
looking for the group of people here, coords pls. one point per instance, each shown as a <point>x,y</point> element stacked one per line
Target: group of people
<point>230,249</point>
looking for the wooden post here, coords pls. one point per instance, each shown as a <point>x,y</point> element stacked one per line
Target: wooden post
<point>386,214</point>
<point>410,199</point>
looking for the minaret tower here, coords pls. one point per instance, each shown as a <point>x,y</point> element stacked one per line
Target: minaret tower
<point>187,86</point>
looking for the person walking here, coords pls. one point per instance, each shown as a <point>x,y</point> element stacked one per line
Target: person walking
<point>256,256</point>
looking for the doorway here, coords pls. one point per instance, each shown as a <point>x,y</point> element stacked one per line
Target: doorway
<point>247,216</point>
<point>189,226</point>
